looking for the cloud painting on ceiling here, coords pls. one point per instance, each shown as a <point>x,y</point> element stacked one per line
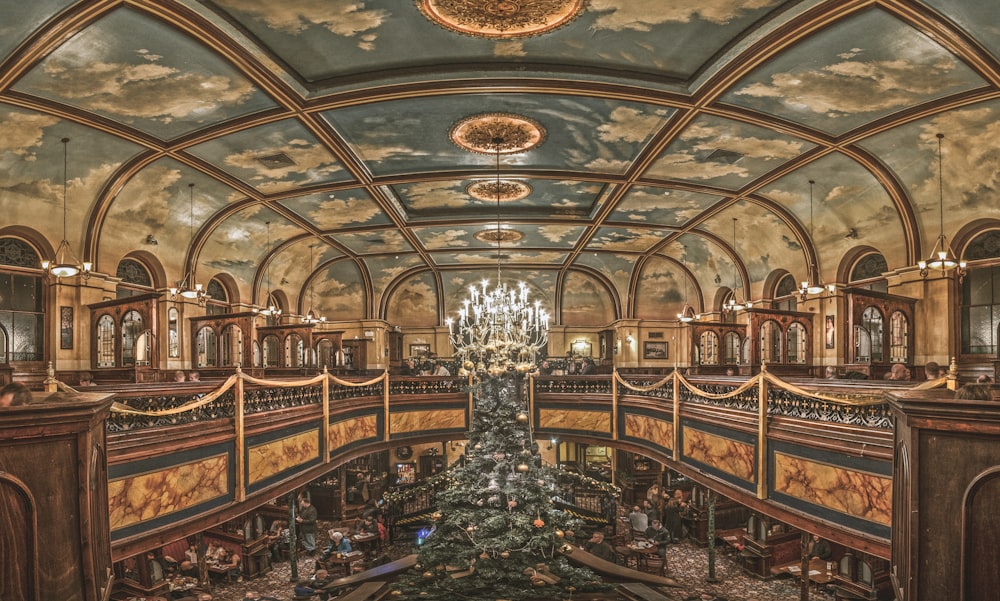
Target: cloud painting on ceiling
<point>456,285</point>
<point>238,245</point>
<point>586,301</point>
<point>970,175</point>
<point>386,269</point>
<point>507,257</point>
<point>976,16</point>
<point>340,292</point>
<point>617,268</point>
<point>134,69</point>
<point>850,208</point>
<point>725,153</point>
<point>375,242</point>
<point>852,74</point>
<point>20,19</point>
<point>626,239</point>
<point>156,204</point>
<point>660,294</point>
<point>657,206</point>
<point>273,157</point>
<point>412,135</point>
<point>31,171</point>
<point>759,254</point>
<point>708,262</point>
<point>348,37</point>
<point>413,302</point>
<point>441,199</point>
<point>555,236</point>
<point>338,210</point>
<point>290,268</point>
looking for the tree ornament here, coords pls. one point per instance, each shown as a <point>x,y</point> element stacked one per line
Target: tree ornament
<point>428,574</point>
<point>436,516</point>
<point>470,528</point>
<point>499,456</point>
<point>566,549</point>
<point>480,502</point>
<point>560,534</point>
<point>478,446</point>
<point>523,468</point>
<point>522,418</point>
<point>484,555</point>
<point>505,554</point>
<point>539,522</point>
<point>512,503</point>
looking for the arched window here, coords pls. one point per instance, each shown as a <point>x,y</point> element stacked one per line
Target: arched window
<point>232,346</point>
<point>868,337</point>
<point>173,333</point>
<point>294,351</point>
<point>796,344</point>
<point>256,354</point>
<point>207,347</point>
<point>731,348</point>
<point>785,294</point>
<point>22,304</point>
<point>708,348</point>
<point>867,273</point>
<point>135,278</point>
<point>981,296</point>
<point>106,341</point>
<point>271,348</point>
<point>217,302</point>
<point>770,342</point>
<point>131,329</point>
<point>4,347</point>
<point>899,338</point>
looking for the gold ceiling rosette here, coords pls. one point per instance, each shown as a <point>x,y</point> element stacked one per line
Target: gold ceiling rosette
<point>501,19</point>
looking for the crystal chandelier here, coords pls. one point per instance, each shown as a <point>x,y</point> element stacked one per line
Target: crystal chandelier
<point>499,328</point>
<point>66,264</point>
<point>271,308</point>
<point>942,257</point>
<point>187,286</point>
<point>311,316</point>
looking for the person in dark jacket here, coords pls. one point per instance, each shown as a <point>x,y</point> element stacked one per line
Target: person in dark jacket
<point>307,523</point>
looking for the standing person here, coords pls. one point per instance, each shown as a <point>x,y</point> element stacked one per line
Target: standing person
<point>638,519</point>
<point>651,512</point>
<point>307,522</point>
<point>672,515</point>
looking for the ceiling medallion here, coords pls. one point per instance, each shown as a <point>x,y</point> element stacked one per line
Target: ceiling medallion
<point>499,236</point>
<point>498,191</point>
<point>501,19</point>
<point>497,133</point>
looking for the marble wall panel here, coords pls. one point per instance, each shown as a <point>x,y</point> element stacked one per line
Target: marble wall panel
<point>657,431</point>
<point>143,497</point>
<point>859,494</point>
<point>266,460</point>
<point>725,454</point>
<point>346,431</point>
<point>569,419</point>
<point>418,421</point>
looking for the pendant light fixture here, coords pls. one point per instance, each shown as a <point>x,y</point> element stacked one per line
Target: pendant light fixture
<point>271,308</point>
<point>942,257</point>
<point>66,264</point>
<point>814,284</point>
<point>732,305</point>
<point>687,314</point>
<point>187,287</point>
<point>311,316</point>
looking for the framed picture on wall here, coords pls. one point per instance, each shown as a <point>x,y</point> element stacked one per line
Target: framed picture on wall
<point>65,327</point>
<point>581,348</point>
<point>420,350</point>
<point>831,332</point>
<point>654,350</point>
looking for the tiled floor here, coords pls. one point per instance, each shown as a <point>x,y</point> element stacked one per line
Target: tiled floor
<point>688,564</point>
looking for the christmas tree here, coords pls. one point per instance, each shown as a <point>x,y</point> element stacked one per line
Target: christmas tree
<point>496,533</point>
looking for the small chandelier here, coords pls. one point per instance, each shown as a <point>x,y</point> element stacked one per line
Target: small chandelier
<point>942,257</point>
<point>66,264</point>
<point>187,287</point>
<point>271,308</point>
<point>499,328</point>
<point>311,316</point>
<point>687,314</point>
<point>733,305</point>
<point>814,285</point>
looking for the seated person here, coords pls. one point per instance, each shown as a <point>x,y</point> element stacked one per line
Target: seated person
<point>974,392</point>
<point>598,547</point>
<point>86,379</point>
<point>189,565</point>
<point>15,394</point>
<point>276,535</point>
<point>155,567</point>
<point>898,372</point>
<point>659,536</point>
<point>179,376</point>
<point>338,544</point>
<point>818,547</point>
<point>368,526</point>
<point>215,553</point>
<point>232,563</point>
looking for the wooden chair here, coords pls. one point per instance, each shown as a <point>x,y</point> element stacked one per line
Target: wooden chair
<point>654,564</point>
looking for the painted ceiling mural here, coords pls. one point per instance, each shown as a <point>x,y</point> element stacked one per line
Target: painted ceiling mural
<point>658,124</point>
